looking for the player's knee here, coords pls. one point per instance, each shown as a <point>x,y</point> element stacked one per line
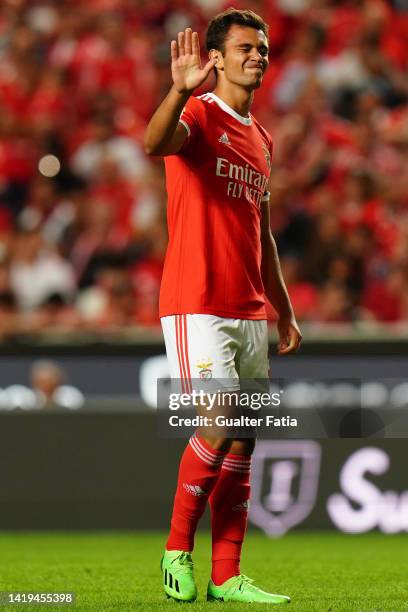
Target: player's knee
<point>219,443</point>
<point>243,446</point>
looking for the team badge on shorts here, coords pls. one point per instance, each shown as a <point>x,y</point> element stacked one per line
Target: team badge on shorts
<point>204,369</point>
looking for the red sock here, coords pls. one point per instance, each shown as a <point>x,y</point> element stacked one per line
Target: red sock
<point>229,503</point>
<point>199,470</point>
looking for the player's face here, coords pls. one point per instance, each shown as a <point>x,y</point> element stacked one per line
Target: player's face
<point>246,56</point>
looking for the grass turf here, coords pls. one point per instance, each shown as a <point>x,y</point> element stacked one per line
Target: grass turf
<point>120,571</point>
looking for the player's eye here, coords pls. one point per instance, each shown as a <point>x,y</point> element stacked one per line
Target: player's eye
<point>247,48</point>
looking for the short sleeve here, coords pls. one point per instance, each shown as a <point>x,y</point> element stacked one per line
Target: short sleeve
<point>190,119</point>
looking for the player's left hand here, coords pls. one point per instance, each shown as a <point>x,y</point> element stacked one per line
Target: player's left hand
<point>289,335</point>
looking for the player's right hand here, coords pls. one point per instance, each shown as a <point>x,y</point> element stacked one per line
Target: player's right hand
<point>186,67</point>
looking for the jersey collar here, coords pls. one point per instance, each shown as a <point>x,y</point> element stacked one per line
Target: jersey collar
<point>229,110</point>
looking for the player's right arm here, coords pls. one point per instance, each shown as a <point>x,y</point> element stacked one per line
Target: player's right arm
<point>165,135</point>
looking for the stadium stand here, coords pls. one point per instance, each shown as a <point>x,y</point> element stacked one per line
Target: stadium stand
<point>82,241</point>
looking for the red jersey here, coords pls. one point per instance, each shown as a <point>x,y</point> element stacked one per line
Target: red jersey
<point>215,186</point>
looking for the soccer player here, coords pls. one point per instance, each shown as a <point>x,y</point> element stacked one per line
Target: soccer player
<point>220,264</point>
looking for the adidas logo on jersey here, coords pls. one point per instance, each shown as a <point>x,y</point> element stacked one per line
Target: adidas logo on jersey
<point>193,489</point>
<point>224,139</point>
<point>242,507</point>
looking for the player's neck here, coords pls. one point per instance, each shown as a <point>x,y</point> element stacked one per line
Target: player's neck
<point>238,99</point>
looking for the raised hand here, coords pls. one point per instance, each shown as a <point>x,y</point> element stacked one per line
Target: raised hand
<point>186,67</point>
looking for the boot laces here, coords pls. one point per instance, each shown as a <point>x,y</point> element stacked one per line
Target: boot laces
<point>184,559</point>
<point>242,582</point>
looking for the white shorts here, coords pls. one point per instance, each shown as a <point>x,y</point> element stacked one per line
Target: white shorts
<point>201,346</point>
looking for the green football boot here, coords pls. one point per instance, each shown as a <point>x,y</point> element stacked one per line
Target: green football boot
<point>178,578</point>
<point>240,588</point>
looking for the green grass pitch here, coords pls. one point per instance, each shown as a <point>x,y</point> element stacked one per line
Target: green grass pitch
<point>120,571</point>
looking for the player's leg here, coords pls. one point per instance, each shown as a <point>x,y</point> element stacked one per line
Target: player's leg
<point>198,472</point>
<point>229,501</point>
<point>193,343</point>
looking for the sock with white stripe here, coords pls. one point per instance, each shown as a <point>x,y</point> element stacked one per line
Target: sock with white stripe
<point>198,473</point>
<point>229,503</point>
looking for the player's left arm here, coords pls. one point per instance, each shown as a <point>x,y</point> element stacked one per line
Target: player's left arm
<point>275,288</point>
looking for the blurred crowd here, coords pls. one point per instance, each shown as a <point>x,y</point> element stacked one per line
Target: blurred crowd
<point>83,210</point>
<point>46,389</point>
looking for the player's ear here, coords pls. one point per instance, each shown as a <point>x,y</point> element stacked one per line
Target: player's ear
<point>215,54</point>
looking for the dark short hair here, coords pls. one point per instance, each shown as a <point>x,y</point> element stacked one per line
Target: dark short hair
<point>219,26</point>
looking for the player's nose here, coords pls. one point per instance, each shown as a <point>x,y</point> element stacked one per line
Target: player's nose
<point>257,59</point>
